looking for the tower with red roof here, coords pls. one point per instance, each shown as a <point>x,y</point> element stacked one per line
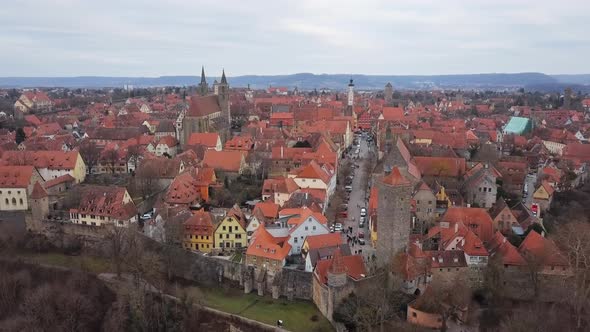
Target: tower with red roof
<point>393,211</point>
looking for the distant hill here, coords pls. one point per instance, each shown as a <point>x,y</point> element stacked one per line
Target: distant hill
<point>307,81</point>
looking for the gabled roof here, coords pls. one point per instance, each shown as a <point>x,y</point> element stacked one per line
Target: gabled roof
<point>42,159</point>
<point>208,139</point>
<point>38,191</point>
<point>440,166</point>
<point>203,106</point>
<point>15,176</point>
<point>312,171</point>
<point>268,209</point>
<point>395,178</point>
<point>476,219</point>
<point>324,240</point>
<point>542,249</point>
<point>200,223</point>
<point>229,161</point>
<point>263,244</point>
<point>353,266</point>
<point>505,250</point>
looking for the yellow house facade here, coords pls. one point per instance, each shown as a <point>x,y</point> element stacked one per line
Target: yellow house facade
<point>230,234</point>
<point>198,232</point>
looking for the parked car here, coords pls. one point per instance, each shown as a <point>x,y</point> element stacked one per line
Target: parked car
<point>348,188</point>
<point>342,214</point>
<point>363,212</point>
<point>361,242</point>
<point>362,224</point>
<point>361,235</point>
<point>338,227</point>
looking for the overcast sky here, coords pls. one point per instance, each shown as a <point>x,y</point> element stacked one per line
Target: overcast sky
<point>176,37</point>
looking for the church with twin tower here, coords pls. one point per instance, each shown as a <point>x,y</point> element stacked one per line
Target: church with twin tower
<point>207,111</point>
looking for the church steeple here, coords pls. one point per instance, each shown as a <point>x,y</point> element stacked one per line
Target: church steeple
<point>223,97</point>
<point>223,79</point>
<point>203,87</point>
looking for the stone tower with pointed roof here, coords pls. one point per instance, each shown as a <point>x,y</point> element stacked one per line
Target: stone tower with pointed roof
<point>222,93</point>
<point>393,215</point>
<point>350,105</point>
<point>337,271</point>
<point>388,93</point>
<point>203,87</point>
<point>39,202</point>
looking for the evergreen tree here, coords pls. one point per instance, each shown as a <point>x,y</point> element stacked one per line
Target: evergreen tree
<point>20,136</point>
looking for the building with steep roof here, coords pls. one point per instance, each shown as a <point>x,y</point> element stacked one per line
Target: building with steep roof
<point>17,184</point>
<point>206,113</point>
<point>230,233</point>
<point>50,164</point>
<point>100,205</point>
<point>198,232</point>
<point>33,101</point>
<point>267,252</point>
<point>334,279</point>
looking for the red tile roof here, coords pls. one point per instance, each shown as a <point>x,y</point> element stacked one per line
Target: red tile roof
<point>38,191</point>
<point>263,244</point>
<point>395,178</point>
<point>59,180</point>
<point>200,223</point>
<point>505,250</point>
<point>440,166</point>
<point>353,266</point>
<point>105,201</point>
<point>203,106</point>
<point>312,171</point>
<point>229,161</point>
<point>207,139</point>
<point>476,219</point>
<point>15,176</point>
<point>268,209</point>
<point>42,159</point>
<point>543,249</point>
<point>324,240</point>
<point>393,113</point>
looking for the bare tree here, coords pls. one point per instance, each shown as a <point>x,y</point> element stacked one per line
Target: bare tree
<point>90,154</point>
<point>117,238</point>
<point>147,179</point>
<point>574,240</point>
<point>133,154</point>
<point>111,157</point>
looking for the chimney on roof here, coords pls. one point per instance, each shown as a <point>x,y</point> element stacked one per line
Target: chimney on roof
<point>440,259</point>
<point>282,152</point>
<point>543,233</point>
<point>504,240</point>
<point>462,241</point>
<point>468,205</point>
<point>456,227</point>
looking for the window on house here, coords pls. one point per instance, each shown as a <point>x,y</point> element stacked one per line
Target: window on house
<point>221,236</point>
<point>6,201</point>
<point>13,201</point>
<point>414,314</point>
<point>313,228</point>
<point>238,245</point>
<point>306,228</point>
<point>223,228</point>
<point>295,239</point>
<point>227,236</point>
